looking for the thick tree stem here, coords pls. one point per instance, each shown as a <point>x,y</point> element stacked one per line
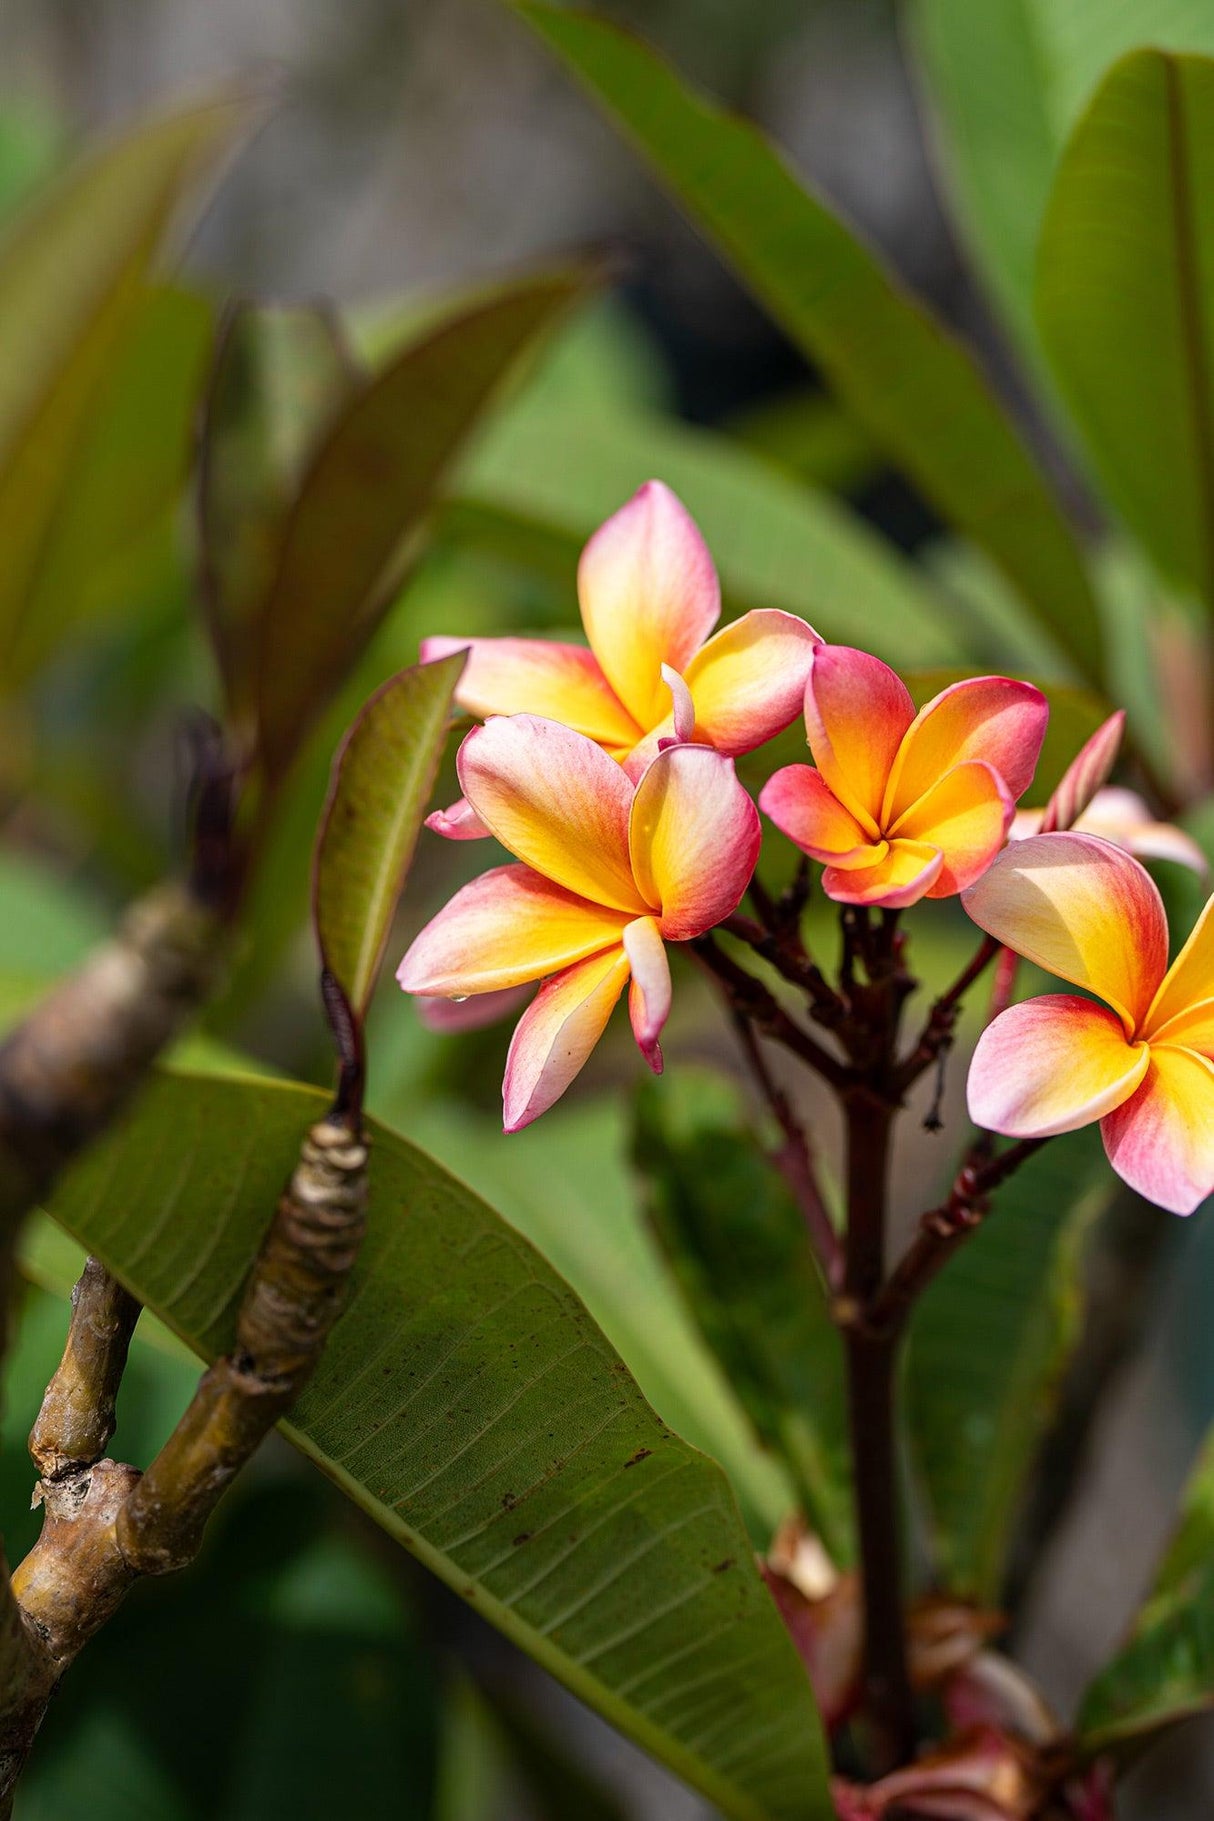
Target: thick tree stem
<point>871,1361</point>
<point>70,1066</point>
<point>76,1421</point>
<point>105,1524</point>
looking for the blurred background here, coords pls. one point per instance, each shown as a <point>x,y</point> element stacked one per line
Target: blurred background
<point>418,146</point>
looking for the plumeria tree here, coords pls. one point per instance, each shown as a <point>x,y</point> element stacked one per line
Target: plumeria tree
<point>741,1385</point>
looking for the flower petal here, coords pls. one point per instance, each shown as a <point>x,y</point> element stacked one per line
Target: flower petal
<point>694,839</point>
<point>966,814</point>
<point>748,681</point>
<point>1189,980</point>
<point>459,823</point>
<point>452,1017</point>
<point>1052,1065</point>
<point>649,995</point>
<point>1082,909</point>
<point>904,874</point>
<point>1080,783</point>
<point>504,929</point>
<point>649,596</point>
<point>991,718</point>
<point>538,676</point>
<point>1162,1140</point>
<point>802,805</point>
<point>856,713</point>
<point>556,1034</point>
<point>556,801</point>
<point>1122,816</point>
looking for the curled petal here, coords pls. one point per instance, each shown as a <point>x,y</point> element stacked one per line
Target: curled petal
<point>504,929</point>
<point>905,873</point>
<point>857,711</point>
<point>748,681</point>
<point>1085,774</point>
<point>684,714</point>
<point>966,815</point>
<point>1052,1065</point>
<point>556,801</point>
<point>1161,1140</point>
<point>649,994</point>
<point>538,676</point>
<point>990,718</point>
<point>452,1017</point>
<point>649,596</point>
<point>802,805</point>
<point>694,839</point>
<point>1082,909</point>
<point>459,823</point>
<point>556,1034</point>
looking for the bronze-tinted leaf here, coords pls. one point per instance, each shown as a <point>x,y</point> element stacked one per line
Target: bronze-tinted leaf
<point>361,507</point>
<point>383,776</point>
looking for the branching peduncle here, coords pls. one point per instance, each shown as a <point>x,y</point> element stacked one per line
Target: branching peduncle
<point>936,1038</point>
<point>943,1230</point>
<point>794,1159</point>
<point>752,1000</point>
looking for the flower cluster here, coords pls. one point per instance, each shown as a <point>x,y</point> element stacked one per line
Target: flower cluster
<point>606,770</point>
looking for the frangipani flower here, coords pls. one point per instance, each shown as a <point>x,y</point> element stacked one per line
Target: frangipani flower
<point>1086,911</point>
<point>1082,800</point>
<point>903,805</point>
<point>610,872</point>
<point>1121,816</point>
<point>649,598</point>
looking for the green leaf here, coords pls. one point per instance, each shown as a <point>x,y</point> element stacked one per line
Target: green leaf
<point>31,144</point>
<point>278,377</point>
<point>546,472</point>
<point>1125,300</point>
<point>986,77</point>
<point>469,1404</point>
<point>987,1345</point>
<point>807,432</point>
<point>354,526</point>
<point>909,384</point>
<point>567,1185</point>
<point>738,1246</point>
<point>127,472</point>
<point>383,779</point>
<point>73,280</point>
<point>1006,81</point>
<point>1165,1670</point>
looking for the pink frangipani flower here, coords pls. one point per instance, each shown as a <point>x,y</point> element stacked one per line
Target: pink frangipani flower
<point>903,806</point>
<point>609,873</point>
<point>1142,1063</point>
<point>650,599</point>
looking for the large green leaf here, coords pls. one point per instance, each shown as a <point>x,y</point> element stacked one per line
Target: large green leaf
<point>1165,1670</point>
<point>1007,81</point>
<point>470,1405</point>
<point>913,388</point>
<point>738,1245</point>
<point>987,1344</point>
<point>355,522</point>
<point>73,280</point>
<point>383,778</point>
<point>567,1185</point>
<point>545,471</point>
<point>278,376</point>
<point>1125,300</point>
